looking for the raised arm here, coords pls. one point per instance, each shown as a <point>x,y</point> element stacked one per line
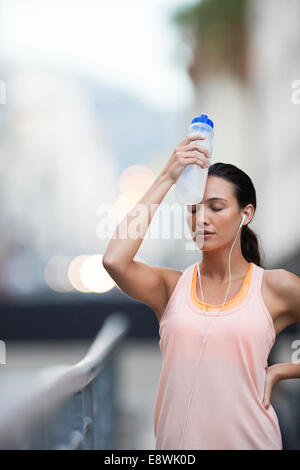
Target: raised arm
<point>149,284</point>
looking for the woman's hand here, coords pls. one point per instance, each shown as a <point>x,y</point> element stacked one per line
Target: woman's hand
<point>185,154</point>
<point>272,377</point>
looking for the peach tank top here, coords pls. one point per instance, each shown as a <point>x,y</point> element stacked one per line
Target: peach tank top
<point>226,410</point>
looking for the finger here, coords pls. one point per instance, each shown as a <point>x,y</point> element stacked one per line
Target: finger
<point>266,403</point>
<point>267,394</point>
<point>190,138</point>
<point>195,146</point>
<point>197,159</point>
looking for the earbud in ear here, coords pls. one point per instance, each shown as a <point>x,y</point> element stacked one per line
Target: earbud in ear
<point>244,216</point>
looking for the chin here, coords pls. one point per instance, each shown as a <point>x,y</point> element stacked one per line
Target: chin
<point>202,242</point>
<point>202,246</point>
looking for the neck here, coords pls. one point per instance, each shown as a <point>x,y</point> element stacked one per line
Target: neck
<point>215,264</point>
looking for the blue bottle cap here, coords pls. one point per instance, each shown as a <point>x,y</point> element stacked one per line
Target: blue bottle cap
<point>203,118</point>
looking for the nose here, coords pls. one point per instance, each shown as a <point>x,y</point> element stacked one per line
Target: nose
<point>201,217</point>
<point>198,218</point>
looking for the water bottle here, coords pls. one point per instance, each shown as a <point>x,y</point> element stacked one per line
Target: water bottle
<point>190,185</point>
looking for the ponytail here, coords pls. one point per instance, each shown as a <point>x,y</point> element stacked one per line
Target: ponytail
<point>250,246</point>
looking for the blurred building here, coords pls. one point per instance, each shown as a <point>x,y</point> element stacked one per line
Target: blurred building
<point>56,166</point>
<point>275,65</point>
<point>65,142</point>
<point>245,58</point>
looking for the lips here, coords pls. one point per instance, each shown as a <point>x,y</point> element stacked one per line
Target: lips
<point>204,233</point>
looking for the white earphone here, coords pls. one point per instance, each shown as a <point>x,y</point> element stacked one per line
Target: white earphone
<point>244,216</point>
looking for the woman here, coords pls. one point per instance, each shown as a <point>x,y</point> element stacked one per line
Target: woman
<point>223,401</point>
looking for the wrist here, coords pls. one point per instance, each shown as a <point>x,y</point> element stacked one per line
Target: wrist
<point>277,371</point>
<point>164,178</point>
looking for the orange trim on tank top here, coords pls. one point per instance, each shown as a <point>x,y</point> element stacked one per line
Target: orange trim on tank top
<point>232,303</point>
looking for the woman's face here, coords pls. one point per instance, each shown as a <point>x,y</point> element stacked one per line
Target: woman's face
<point>218,212</point>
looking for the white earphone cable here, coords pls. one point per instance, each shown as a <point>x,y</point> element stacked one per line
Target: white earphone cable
<point>206,327</point>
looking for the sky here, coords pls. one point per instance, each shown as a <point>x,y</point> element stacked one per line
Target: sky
<point>128,44</point>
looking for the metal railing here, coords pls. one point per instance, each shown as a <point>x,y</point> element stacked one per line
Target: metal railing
<point>66,407</point>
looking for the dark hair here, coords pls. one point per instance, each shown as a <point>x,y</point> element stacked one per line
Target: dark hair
<point>244,192</point>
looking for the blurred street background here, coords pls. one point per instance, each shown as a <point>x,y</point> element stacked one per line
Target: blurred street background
<point>94,97</point>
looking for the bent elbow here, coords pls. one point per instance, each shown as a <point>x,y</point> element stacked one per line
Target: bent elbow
<point>108,262</point>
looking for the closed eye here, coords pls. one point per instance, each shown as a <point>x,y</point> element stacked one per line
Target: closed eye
<point>215,210</point>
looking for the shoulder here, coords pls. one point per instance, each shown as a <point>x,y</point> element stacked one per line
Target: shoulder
<point>274,278</point>
<point>281,280</point>
<point>285,287</point>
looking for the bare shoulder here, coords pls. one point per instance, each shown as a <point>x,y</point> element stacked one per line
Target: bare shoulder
<point>274,277</point>
<point>280,280</point>
<point>277,288</point>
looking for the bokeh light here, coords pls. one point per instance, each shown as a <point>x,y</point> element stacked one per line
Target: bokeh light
<point>125,202</point>
<point>56,273</point>
<point>134,182</point>
<point>74,273</point>
<point>93,275</point>
<point>136,177</point>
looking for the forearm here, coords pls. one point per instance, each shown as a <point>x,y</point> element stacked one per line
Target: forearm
<point>131,231</point>
<point>288,370</point>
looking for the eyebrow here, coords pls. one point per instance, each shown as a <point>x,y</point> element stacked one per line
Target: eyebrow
<point>215,199</point>
<point>211,199</point>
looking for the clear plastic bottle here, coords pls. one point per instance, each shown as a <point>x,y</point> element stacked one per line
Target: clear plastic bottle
<point>190,185</point>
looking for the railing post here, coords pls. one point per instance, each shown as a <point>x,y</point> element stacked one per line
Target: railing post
<point>88,418</point>
<point>104,411</point>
